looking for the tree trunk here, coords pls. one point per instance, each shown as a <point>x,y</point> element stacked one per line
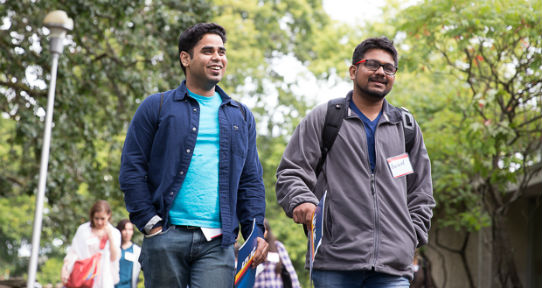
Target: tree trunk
<point>505,274</point>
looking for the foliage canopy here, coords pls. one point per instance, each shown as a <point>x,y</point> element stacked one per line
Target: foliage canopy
<point>469,71</point>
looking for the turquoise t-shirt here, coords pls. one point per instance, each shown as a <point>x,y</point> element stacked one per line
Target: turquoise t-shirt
<point>197,203</point>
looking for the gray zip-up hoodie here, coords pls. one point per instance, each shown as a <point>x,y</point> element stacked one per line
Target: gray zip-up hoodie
<point>372,220</point>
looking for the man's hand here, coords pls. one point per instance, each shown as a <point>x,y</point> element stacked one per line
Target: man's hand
<point>155,230</point>
<point>261,252</point>
<point>303,213</point>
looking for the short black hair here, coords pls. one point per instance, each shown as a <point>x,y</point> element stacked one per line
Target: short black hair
<point>191,36</point>
<point>374,43</point>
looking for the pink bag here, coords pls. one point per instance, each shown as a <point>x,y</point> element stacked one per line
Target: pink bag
<point>85,271</point>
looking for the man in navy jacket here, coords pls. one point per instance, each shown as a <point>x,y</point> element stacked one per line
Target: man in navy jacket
<point>190,172</point>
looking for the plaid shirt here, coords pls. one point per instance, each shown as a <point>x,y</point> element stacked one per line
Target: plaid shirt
<point>267,278</point>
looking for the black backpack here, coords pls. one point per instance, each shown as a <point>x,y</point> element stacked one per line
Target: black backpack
<point>337,110</point>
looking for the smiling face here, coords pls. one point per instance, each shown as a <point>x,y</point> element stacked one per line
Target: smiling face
<point>372,85</point>
<point>207,65</point>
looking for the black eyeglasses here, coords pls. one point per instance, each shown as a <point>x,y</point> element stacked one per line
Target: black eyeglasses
<point>374,65</point>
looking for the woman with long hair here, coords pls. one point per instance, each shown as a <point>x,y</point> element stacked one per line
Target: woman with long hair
<point>94,238</point>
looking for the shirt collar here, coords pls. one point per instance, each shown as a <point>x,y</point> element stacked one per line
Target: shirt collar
<point>182,92</point>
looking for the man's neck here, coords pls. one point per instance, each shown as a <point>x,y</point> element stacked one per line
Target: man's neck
<point>201,89</point>
<point>369,108</point>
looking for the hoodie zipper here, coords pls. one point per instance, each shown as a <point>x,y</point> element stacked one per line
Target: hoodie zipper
<point>376,206</point>
<point>376,219</point>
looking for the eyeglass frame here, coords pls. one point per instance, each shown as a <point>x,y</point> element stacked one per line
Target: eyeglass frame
<point>380,65</point>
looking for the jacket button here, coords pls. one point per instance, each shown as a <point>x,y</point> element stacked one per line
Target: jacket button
<point>171,193</point>
<point>194,129</point>
<point>195,109</point>
<point>187,150</point>
<point>182,172</point>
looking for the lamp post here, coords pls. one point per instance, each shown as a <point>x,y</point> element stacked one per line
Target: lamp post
<point>58,23</point>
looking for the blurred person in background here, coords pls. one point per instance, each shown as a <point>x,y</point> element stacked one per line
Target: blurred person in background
<point>96,236</point>
<point>129,264</point>
<point>277,270</point>
<point>422,271</point>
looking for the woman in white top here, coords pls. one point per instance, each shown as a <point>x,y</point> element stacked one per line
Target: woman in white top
<point>86,243</point>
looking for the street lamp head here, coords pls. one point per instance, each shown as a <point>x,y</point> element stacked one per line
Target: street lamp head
<point>58,23</point>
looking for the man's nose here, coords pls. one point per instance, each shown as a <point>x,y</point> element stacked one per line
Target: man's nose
<point>216,56</point>
<point>380,70</point>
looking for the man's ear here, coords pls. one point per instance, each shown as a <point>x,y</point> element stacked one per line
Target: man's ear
<point>185,58</point>
<point>352,71</point>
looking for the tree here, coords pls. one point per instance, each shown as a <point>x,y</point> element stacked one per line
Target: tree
<point>118,52</point>
<point>489,123</point>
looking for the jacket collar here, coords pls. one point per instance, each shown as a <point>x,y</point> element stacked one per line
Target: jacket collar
<point>182,92</point>
<point>389,112</point>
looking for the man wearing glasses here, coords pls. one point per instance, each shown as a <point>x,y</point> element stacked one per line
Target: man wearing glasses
<point>379,199</point>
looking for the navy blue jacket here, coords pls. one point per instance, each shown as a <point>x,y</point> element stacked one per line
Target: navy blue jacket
<point>158,149</point>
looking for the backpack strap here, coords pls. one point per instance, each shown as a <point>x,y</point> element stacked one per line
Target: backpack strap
<point>409,128</point>
<point>337,110</point>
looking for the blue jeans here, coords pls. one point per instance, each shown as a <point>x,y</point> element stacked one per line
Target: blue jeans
<point>179,256</point>
<point>360,278</point>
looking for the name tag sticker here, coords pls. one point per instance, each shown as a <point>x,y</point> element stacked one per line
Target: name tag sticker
<point>400,165</point>
<point>129,256</point>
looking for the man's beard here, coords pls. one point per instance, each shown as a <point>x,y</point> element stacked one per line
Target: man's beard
<point>374,95</point>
